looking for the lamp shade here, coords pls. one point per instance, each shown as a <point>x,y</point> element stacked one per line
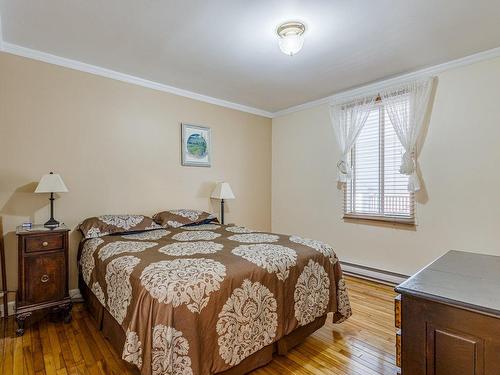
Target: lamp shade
<point>222,191</point>
<point>51,183</point>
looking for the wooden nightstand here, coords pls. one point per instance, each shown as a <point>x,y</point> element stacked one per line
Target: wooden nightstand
<point>43,272</point>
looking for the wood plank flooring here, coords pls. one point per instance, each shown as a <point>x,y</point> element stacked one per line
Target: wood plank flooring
<point>363,345</point>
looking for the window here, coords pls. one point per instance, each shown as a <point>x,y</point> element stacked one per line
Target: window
<point>377,190</point>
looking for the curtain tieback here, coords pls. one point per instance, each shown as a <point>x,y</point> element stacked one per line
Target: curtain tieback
<point>407,164</point>
<point>344,170</point>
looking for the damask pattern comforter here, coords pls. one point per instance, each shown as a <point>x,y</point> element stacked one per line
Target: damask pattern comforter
<point>200,299</point>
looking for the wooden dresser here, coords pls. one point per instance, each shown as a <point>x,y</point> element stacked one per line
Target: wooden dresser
<point>43,272</point>
<point>450,317</point>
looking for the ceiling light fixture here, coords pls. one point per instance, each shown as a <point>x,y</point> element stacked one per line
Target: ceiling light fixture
<point>291,37</point>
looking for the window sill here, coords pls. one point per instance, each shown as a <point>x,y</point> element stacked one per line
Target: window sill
<point>385,219</point>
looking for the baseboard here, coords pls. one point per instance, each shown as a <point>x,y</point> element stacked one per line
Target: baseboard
<point>11,308</point>
<point>75,295</point>
<point>374,274</point>
<point>369,273</point>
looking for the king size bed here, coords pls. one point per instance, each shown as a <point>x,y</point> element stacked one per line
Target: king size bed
<point>182,294</point>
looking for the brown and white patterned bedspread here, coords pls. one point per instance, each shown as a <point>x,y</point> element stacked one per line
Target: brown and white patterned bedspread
<point>200,299</point>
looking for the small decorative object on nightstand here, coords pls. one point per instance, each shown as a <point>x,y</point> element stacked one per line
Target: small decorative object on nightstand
<point>222,191</point>
<point>51,183</point>
<point>43,272</point>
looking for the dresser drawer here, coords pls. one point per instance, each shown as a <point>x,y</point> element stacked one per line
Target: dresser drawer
<point>44,242</point>
<point>45,277</point>
<point>398,348</point>
<point>397,311</point>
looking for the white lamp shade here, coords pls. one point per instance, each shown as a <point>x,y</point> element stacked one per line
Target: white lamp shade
<point>222,191</point>
<point>51,183</point>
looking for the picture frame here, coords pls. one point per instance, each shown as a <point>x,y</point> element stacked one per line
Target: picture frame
<point>196,145</point>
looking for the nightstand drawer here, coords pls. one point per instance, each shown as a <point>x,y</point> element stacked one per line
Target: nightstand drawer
<point>44,242</point>
<point>45,277</point>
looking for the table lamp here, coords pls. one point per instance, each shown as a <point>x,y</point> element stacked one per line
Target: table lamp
<point>51,183</point>
<point>222,191</point>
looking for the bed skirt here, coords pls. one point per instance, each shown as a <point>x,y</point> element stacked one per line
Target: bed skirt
<point>115,334</point>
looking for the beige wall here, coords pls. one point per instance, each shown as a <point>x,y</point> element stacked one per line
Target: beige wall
<point>117,146</point>
<point>460,164</point>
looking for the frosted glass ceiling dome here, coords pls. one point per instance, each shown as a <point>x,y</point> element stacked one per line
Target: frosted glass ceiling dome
<point>291,37</point>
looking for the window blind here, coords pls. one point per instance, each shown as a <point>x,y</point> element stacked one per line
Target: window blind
<point>377,190</point>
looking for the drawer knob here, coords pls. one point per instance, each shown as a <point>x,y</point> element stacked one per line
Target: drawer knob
<point>45,243</point>
<point>44,278</point>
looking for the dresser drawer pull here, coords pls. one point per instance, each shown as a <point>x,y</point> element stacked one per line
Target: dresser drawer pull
<point>45,244</point>
<point>44,278</point>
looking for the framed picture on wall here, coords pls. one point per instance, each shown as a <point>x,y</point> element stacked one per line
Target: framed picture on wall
<point>195,145</point>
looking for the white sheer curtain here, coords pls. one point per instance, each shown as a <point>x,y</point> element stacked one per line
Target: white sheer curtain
<point>407,106</point>
<point>348,120</point>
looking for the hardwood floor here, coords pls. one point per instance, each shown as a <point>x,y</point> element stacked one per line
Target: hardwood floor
<point>362,345</point>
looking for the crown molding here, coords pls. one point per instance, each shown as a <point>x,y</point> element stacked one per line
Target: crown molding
<point>108,73</point>
<point>385,83</point>
<point>340,96</point>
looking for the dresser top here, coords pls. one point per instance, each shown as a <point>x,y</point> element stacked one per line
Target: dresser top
<point>40,229</point>
<point>466,279</point>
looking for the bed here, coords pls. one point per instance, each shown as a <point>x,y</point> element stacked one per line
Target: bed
<point>207,298</point>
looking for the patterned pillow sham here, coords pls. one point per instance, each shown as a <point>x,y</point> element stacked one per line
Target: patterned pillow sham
<point>183,217</point>
<point>99,226</point>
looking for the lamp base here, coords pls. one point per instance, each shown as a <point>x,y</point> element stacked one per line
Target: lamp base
<point>52,223</point>
<point>222,211</point>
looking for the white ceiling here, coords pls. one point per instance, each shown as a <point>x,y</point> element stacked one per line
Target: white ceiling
<point>227,49</point>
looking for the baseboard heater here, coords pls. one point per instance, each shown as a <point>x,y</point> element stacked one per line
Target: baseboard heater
<point>374,274</point>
